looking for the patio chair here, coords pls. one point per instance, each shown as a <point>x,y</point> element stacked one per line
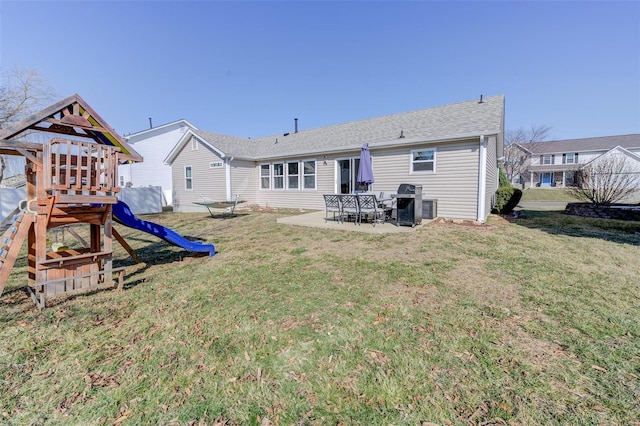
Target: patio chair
<point>349,203</point>
<point>332,205</point>
<point>387,203</point>
<point>368,206</point>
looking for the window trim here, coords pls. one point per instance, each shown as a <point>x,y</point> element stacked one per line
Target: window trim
<point>274,176</point>
<point>188,178</point>
<point>287,175</point>
<point>268,176</point>
<point>574,158</point>
<point>303,175</point>
<point>423,172</point>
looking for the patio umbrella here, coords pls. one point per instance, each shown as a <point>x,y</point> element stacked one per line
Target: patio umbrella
<point>365,171</point>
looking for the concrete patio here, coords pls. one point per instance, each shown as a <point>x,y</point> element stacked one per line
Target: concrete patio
<point>315,219</point>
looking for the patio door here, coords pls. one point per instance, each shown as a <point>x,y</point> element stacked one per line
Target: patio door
<point>347,171</point>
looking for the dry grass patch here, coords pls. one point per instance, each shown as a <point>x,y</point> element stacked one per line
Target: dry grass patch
<point>534,321</point>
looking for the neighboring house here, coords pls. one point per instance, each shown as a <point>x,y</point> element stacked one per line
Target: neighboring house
<point>154,145</point>
<point>554,163</point>
<point>453,151</point>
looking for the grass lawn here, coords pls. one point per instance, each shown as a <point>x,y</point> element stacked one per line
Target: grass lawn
<point>547,194</point>
<point>530,321</point>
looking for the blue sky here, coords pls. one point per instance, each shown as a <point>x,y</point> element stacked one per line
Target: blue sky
<point>249,68</point>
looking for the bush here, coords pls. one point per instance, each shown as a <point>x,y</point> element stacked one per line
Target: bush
<point>507,198</point>
<point>503,180</point>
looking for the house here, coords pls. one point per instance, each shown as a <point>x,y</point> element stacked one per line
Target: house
<point>453,151</point>
<point>154,145</point>
<point>555,163</point>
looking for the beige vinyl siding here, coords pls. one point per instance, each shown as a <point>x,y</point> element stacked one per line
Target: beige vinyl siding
<point>492,174</point>
<point>207,182</point>
<point>244,180</point>
<point>454,184</point>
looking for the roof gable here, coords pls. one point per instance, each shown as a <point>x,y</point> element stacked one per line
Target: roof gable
<point>216,142</point>
<point>602,143</point>
<point>163,128</point>
<point>74,118</point>
<point>616,150</point>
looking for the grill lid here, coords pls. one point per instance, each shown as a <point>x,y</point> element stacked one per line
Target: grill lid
<point>406,188</point>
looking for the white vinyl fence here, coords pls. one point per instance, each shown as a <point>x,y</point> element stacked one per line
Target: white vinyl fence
<point>140,200</point>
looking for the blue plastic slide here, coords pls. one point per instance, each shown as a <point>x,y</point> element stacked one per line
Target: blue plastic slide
<point>123,214</point>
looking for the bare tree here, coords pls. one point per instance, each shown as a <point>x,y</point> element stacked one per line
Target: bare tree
<point>608,179</point>
<point>517,146</point>
<point>22,92</point>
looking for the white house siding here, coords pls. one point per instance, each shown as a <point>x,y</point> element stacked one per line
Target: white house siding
<point>207,182</point>
<point>154,146</point>
<point>454,185</point>
<point>492,174</point>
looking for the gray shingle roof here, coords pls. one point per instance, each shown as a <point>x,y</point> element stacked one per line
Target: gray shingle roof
<point>458,120</point>
<point>603,143</point>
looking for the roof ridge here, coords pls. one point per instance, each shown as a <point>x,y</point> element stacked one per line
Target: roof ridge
<point>395,114</point>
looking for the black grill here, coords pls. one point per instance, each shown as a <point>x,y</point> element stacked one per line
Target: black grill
<point>409,204</point>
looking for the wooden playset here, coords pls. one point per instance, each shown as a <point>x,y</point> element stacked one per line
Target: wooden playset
<point>69,180</point>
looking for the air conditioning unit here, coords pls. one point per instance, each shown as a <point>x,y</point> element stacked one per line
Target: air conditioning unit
<point>429,209</point>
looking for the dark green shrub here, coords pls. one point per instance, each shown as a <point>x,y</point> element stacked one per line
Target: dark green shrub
<point>503,180</point>
<point>507,198</point>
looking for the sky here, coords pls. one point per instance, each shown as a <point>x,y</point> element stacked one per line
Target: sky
<point>249,68</point>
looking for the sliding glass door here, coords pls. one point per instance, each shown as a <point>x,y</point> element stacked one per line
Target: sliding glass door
<point>347,174</point>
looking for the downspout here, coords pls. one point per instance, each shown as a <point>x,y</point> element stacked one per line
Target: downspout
<point>228,176</point>
<point>482,179</point>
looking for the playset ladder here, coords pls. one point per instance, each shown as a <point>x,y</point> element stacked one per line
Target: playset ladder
<point>11,243</point>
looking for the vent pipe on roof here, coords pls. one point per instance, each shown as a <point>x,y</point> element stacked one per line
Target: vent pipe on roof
<point>150,124</point>
<point>296,125</point>
<point>481,101</point>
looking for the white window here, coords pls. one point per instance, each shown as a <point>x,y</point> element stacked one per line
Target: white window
<point>188,178</point>
<point>293,175</point>
<point>547,159</point>
<point>570,158</point>
<point>265,176</point>
<point>309,174</point>
<point>423,161</point>
<point>278,175</point>
<point>121,181</point>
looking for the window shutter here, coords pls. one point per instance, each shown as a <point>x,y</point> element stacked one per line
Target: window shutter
<point>542,159</point>
<point>575,158</point>
<point>553,159</point>
<point>564,158</point>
